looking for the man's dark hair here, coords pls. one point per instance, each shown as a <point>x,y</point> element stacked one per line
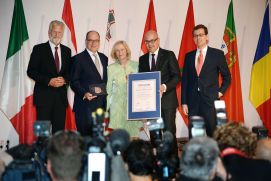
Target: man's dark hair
<point>139,157</point>
<point>65,152</point>
<point>200,26</point>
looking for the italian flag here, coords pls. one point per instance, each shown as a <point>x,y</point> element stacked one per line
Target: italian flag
<point>17,88</point>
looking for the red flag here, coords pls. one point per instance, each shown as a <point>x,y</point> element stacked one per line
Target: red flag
<point>233,95</point>
<point>68,19</point>
<point>187,45</point>
<point>149,25</point>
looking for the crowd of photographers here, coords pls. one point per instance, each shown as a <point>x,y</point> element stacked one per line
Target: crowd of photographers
<point>234,153</point>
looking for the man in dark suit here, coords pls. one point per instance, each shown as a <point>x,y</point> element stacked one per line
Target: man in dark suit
<point>165,61</point>
<point>89,67</point>
<point>49,68</point>
<point>200,85</point>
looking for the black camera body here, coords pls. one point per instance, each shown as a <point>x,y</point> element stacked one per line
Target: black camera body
<point>167,162</point>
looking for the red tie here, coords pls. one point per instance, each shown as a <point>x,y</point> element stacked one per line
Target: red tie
<point>56,59</point>
<point>200,62</point>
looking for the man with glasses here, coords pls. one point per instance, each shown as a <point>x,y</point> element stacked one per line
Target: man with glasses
<point>158,59</point>
<point>200,82</point>
<point>89,68</point>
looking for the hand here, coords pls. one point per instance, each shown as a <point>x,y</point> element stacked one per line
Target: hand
<point>89,96</point>
<point>185,109</point>
<point>57,82</point>
<point>162,89</point>
<point>220,94</point>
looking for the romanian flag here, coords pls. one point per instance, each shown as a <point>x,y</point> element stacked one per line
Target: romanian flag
<point>233,95</point>
<point>260,82</point>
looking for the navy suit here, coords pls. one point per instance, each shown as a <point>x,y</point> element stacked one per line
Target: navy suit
<point>50,102</point>
<point>83,74</point>
<point>200,92</point>
<point>167,64</point>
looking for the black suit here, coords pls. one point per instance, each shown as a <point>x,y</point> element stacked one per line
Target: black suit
<point>50,102</point>
<point>167,64</point>
<point>200,92</point>
<point>83,74</point>
<point>246,169</point>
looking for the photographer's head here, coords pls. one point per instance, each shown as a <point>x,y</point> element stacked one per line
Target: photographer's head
<point>65,151</point>
<point>199,158</point>
<point>139,158</point>
<point>235,135</point>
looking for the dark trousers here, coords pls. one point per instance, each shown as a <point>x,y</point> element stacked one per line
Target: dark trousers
<point>205,110</point>
<point>84,121</point>
<point>56,114</point>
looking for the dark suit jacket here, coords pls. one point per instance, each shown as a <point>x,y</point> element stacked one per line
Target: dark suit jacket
<point>246,169</point>
<point>207,81</point>
<point>167,64</point>
<point>42,68</point>
<point>83,74</point>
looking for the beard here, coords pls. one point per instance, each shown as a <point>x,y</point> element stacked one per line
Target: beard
<point>55,41</point>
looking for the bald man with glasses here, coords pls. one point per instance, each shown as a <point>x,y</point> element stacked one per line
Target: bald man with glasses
<point>158,59</point>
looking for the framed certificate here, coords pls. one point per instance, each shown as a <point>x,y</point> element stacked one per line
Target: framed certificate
<point>144,96</point>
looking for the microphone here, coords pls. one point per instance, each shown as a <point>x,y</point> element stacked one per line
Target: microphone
<point>119,140</point>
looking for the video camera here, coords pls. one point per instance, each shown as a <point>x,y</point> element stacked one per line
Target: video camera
<point>167,162</point>
<point>198,126</point>
<point>221,114</point>
<point>104,161</point>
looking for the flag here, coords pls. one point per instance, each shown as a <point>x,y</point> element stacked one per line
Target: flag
<point>71,42</point>
<point>233,95</point>
<point>260,81</point>
<point>17,88</point>
<point>187,45</point>
<point>110,32</point>
<point>149,25</point>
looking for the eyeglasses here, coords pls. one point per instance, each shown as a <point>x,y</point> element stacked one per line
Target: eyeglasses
<point>93,41</point>
<point>199,35</point>
<point>150,41</point>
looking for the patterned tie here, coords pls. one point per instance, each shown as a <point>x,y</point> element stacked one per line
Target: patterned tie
<point>200,62</point>
<point>97,63</point>
<point>56,59</point>
<point>153,63</point>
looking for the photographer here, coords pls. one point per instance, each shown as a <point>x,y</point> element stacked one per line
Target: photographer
<point>140,160</point>
<point>200,161</point>
<point>65,152</point>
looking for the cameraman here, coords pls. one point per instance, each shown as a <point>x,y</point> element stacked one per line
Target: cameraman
<point>65,152</point>
<point>200,161</point>
<point>140,160</point>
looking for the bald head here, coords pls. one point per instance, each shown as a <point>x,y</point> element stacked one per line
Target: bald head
<point>263,150</point>
<point>152,41</point>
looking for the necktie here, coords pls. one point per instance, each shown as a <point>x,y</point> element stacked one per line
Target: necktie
<point>56,59</point>
<point>153,63</point>
<point>97,63</point>
<point>200,62</point>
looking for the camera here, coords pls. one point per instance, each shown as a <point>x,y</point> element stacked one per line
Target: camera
<point>155,127</point>
<point>221,114</point>
<point>167,162</point>
<point>97,162</point>
<point>42,128</point>
<point>198,126</point>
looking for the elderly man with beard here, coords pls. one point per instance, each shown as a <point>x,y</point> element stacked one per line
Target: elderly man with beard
<point>49,68</point>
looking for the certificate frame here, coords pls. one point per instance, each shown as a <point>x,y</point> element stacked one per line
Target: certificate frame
<point>148,86</point>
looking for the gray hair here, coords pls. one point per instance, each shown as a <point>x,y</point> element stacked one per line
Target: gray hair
<point>199,158</point>
<point>56,22</point>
